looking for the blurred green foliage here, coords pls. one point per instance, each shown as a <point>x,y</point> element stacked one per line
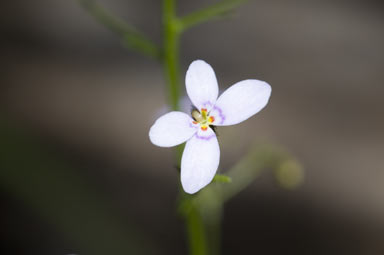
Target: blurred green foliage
<point>57,193</point>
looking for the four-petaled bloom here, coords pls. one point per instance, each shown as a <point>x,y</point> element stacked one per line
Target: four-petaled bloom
<point>201,155</point>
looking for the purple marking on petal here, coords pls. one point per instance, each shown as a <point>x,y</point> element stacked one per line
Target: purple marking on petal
<point>206,138</point>
<point>220,111</point>
<point>205,104</point>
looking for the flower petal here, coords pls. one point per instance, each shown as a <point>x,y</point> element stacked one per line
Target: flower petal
<point>172,129</point>
<point>201,84</point>
<point>240,101</point>
<point>200,161</point>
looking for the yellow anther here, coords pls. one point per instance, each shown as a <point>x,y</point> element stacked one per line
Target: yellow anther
<point>203,118</point>
<point>204,113</point>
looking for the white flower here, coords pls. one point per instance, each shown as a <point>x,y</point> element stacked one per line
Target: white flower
<point>201,155</point>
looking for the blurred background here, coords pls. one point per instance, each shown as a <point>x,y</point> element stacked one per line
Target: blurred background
<point>79,174</point>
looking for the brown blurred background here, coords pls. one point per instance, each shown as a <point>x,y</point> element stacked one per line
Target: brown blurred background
<point>70,88</point>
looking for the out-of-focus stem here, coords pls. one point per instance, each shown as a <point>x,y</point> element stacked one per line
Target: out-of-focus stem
<point>208,13</point>
<point>171,44</point>
<point>130,36</point>
<point>171,48</point>
<point>196,233</point>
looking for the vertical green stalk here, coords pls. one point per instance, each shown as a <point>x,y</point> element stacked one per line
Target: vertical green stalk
<point>196,231</point>
<point>171,46</point>
<point>171,49</point>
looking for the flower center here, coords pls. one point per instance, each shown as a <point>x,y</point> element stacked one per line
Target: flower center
<point>202,118</point>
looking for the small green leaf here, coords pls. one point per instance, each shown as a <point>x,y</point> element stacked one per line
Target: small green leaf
<point>222,178</point>
<point>208,13</point>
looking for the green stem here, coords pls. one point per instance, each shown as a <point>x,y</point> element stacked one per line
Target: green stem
<point>171,52</point>
<point>196,232</point>
<point>131,37</point>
